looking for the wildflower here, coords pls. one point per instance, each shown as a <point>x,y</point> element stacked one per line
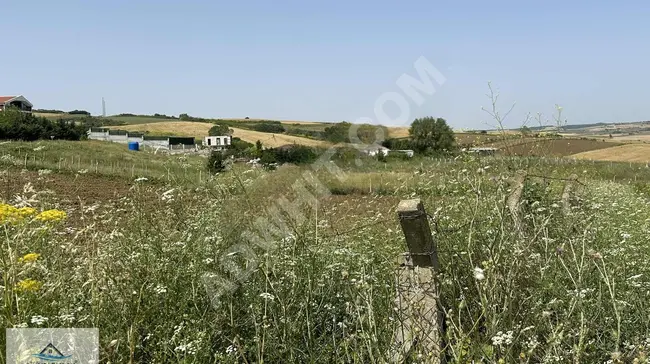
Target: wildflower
<point>479,274</point>
<point>28,285</point>
<point>39,320</point>
<point>625,236</point>
<point>231,350</point>
<point>51,215</point>
<point>267,296</point>
<point>26,211</point>
<point>8,213</point>
<point>29,258</point>
<point>141,179</point>
<point>160,289</point>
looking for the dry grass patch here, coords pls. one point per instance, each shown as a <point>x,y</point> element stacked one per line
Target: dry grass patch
<point>198,130</point>
<point>622,153</point>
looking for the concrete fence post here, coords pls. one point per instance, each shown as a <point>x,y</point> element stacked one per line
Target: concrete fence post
<point>515,196</point>
<point>566,193</point>
<point>420,320</point>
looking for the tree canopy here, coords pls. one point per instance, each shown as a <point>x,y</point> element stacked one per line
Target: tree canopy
<point>431,135</point>
<point>219,130</point>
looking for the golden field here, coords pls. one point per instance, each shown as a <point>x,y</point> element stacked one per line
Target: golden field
<point>639,153</point>
<point>198,130</point>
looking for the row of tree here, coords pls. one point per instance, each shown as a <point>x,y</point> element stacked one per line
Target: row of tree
<point>17,125</point>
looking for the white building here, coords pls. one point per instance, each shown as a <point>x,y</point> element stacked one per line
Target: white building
<point>374,150</point>
<point>217,142</point>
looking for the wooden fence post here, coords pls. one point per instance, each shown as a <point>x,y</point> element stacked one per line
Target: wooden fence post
<point>419,333</point>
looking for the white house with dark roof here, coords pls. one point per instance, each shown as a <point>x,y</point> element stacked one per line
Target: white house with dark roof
<point>19,102</point>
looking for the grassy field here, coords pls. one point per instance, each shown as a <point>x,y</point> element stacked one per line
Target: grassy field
<point>144,235</point>
<point>199,130</point>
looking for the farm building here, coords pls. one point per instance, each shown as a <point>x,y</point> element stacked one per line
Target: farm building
<point>19,102</point>
<point>374,150</point>
<point>217,142</point>
<point>482,150</point>
<point>123,136</point>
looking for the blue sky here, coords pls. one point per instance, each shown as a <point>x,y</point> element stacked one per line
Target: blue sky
<point>330,61</point>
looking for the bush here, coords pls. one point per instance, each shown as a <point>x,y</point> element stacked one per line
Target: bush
<point>78,112</point>
<point>219,130</point>
<point>17,125</point>
<point>215,162</point>
<point>48,111</point>
<point>296,154</point>
<point>268,127</point>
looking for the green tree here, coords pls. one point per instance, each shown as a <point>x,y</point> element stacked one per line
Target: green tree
<point>268,159</point>
<point>525,131</point>
<point>219,130</point>
<point>431,135</point>
<point>337,133</point>
<point>215,162</point>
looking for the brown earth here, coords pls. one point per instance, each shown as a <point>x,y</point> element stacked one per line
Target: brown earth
<point>67,189</point>
<point>553,147</point>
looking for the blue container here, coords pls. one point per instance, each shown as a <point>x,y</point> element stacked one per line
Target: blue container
<point>134,146</point>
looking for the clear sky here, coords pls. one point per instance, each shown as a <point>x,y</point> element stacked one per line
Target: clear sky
<point>328,61</point>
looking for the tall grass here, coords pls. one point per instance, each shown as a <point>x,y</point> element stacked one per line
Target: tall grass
<point>565,288</point>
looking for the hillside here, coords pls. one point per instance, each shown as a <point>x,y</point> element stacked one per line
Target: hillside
<point>622,153</point>
<point>199,130</point>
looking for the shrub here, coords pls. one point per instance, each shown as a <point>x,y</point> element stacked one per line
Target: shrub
<point>219,130</point>
<point>215,162</point>
<point>296,154</point>
<point>268,160</point>
<point>79,112</point>
<point>17,125</point>
<point>268,127</point>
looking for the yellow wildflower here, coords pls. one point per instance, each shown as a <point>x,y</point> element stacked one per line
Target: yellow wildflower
<point>29,258</point>
<point>26,211</point>
<point>51,215</point>
<point>8,213</point>
<point>28,285</point>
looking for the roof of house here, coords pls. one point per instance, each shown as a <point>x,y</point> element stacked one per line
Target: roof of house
<point>4,99</point>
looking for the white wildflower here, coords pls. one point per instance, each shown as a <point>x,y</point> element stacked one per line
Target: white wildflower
<point>231,350</point>
<point>267,296</point>
<point>479,274</point>
<point>141,179</point>
<point>39,320</point>
<point>625,236</point>
<point>160,289</point>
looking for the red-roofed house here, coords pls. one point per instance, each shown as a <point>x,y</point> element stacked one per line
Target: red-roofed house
<point>19,102</point>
